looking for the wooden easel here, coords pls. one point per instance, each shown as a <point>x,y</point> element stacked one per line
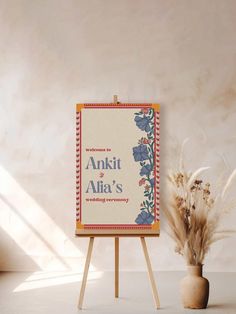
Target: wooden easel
<point>149,267</point>
<point>117,236</point>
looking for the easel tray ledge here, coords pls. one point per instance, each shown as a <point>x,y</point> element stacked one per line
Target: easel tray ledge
<point>116,233</point>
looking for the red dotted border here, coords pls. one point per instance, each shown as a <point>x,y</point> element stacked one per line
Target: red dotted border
<point>157,164</point>
<point>78,166</point>
<point>118,227</point>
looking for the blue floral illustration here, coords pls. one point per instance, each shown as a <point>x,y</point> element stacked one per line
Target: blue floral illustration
<point>144,218</point>
<point>140,152</point>
<point>144,154</point>
<point>152,182</point>
<point>143,123</point>
<point>145,170</point>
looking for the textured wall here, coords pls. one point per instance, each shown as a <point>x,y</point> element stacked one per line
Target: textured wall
<point>56,53</point>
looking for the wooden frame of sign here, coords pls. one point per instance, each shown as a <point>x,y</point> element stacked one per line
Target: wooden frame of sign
<point>117,176</point>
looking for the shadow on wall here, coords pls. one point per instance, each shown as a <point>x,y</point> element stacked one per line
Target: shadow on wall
<point>12,257</point>
<point>34,231</point>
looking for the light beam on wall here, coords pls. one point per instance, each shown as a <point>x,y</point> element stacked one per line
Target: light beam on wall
<point>34,231</point>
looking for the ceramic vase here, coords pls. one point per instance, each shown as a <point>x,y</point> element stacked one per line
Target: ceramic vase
<point>194,288</point>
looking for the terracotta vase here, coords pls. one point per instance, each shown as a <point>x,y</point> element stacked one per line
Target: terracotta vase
<point>194,288</point>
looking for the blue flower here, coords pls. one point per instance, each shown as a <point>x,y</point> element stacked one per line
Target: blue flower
<point>152,182</point>
<point>144,218</point>
<point>145,170</point>
<point>143,123</point>
<point>140,152</point>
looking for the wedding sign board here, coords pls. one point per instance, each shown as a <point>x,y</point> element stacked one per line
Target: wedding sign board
<point>117,169</point>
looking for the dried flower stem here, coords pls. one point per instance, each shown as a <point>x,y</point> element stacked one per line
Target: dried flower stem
<point>193,215</point>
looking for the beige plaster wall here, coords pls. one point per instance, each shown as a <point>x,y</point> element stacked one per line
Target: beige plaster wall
<point>54,54</point>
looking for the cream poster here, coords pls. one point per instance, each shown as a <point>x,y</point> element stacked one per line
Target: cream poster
<point>117,167</point>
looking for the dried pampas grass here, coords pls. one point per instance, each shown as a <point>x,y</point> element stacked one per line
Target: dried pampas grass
<point>194,215</point>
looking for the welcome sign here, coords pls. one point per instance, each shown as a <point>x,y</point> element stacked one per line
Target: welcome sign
<point>117,169</point>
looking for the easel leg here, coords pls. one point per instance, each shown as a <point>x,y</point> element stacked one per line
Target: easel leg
<point>85,274</point>
<point>116,267</point>
<point>150,273</point>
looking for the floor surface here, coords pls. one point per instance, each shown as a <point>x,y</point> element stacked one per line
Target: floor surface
<point>56,292</point>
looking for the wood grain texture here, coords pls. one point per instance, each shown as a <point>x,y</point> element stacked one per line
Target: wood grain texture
<point>150,273</point>
<point>116,267</point>
<point>85,274</point>
<point>116,233</point>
